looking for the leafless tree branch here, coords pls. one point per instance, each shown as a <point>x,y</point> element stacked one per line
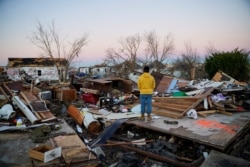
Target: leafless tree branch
<point>126,54</point>
<point>157,53</point>
<point>48,40</point>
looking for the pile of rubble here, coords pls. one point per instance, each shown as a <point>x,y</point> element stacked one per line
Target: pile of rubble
<point>103,114</point>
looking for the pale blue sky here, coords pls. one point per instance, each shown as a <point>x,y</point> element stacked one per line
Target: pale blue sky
<point>223,23</point>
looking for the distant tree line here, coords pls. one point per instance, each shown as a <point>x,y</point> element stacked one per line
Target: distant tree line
<point>149,48</point>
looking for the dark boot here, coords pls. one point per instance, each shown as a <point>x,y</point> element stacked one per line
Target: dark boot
<point>149,117</point>
<point>142,117</point>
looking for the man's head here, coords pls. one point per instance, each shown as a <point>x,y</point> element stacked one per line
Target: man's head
<point>146,69</point>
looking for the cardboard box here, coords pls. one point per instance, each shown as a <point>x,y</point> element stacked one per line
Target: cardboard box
<point>45,153</point>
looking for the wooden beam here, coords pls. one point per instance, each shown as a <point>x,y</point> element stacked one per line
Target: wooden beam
<point>172,161</point>
<point>207,92</point>
<point>207,112</point>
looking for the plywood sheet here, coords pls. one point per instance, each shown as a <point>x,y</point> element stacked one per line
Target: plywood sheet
<point>216,130</point>
<point>69,95</point>
<point>73,149</point>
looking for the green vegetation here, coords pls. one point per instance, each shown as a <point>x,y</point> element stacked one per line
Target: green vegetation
<point>235,63</point>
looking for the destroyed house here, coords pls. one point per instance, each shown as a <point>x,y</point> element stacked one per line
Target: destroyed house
<point>36,68</point>
<point>97,70</point>
<point>193,124</point>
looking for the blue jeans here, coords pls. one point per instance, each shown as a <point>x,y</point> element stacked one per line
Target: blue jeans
<point>146,103</point>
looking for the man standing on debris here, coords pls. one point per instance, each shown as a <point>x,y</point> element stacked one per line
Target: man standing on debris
<point>146,85</point>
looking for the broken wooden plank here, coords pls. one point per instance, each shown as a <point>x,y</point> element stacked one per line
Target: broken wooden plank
<point>176,100</point>
<point>34,103</point>
<point>225,112</point>
<point>5,98</point>
<point>13,86</point>
<point>219,75</point>
<point>125,143</point>
<point>210,104</point>
<point>8,89</point>
<point>37,106</point>
<point>207,111</point>
<point>177,107</point>
<point>200,99</point>
<point>169,105</point>
<point>172,161</point>
<point>167,113</point>
<point>37,115</point>
<point>204,113</point>
<point>73,149</point>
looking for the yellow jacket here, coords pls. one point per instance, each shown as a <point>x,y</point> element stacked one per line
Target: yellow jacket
<point>146,83</point>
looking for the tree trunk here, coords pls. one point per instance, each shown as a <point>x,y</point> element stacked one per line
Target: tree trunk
<point>192,73</point>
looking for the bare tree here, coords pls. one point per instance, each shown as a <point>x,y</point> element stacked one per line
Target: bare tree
<point>125,57</point>
<point>211,49</point>
<point>189,60</point>
<point>158,52</point>
<point>48,40</point>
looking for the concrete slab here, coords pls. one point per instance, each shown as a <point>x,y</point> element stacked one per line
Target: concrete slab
<point>14,146</point>
<point>14,150</point>
<point>218,159</point>
<point>216,130</point>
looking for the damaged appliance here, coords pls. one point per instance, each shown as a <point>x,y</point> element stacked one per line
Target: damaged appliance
<point>7,112</point>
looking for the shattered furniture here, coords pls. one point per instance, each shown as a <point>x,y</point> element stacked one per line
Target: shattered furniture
<point>37,106</point>
<point>106,85</point>
<point>65,93</point>
<point>27,100</point>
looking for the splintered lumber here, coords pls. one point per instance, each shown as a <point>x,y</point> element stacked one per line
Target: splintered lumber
<point>210,103</point>
<point>157,157</point>
<point>225,112</point>
<point>204,113</point>
<point>125,143</point>
<point>172,107</point>
<point>37,115</point>
<point>207,112</point>
<point>201,98</point>
<point>221,109</point>
<point>177,107</point>
<point>5,96</point>
<point>37,106</point>
<point>73,149</point>
<point>167,113</point>
<point>34,103</point>
<point>10,87</point>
